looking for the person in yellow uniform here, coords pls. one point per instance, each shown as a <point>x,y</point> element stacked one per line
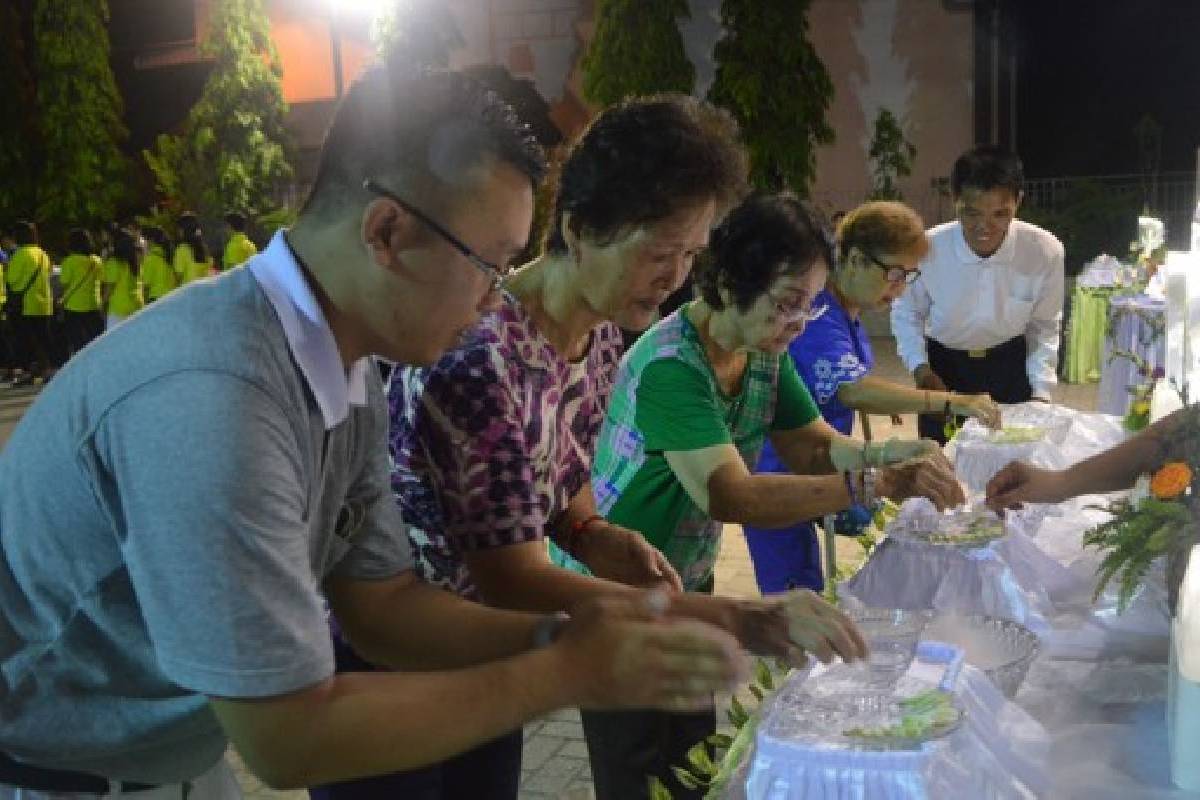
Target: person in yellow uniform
<point>238,248</point>
<point>158,277</point>
<point>121,290</point>
<point>80,279</point>
<point>30,305</point>
<point>7,246</point>
<point>191,258</point>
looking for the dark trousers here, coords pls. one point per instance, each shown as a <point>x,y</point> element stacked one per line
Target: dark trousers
<point>35,343</point>
<point>999,371</point>
<point>80,327</point>
<point>627,748</point>
<point>491,771</point>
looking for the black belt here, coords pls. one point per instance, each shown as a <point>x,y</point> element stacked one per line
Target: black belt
<point>27,776</point>
<point>1010,345</point>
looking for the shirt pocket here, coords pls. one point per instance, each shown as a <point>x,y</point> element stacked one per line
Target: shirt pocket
<point>1023,289</point>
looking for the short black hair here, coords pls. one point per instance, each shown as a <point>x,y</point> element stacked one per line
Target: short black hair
<point>985,167</point>
<point>125,247</point>
<point>188,223</point>
<point>80,241</point>
<point>157,236</point>
<point>25,232</point>
<point>423,133</point>
<point>767,236</point>
<point>236,220</point>
<point>642,160</point>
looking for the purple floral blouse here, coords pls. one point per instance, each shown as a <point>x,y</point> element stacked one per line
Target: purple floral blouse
<point>490,444</point>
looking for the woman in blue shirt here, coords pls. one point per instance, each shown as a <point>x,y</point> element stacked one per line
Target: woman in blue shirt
<point>879,246</point>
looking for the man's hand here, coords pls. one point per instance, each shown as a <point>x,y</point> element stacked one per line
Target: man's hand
<point>622,655</point>
<point>979,406</point>
<point>1019,483</point>
<point>929,476</point>
<point>926,378</point>
<point>622,555</point>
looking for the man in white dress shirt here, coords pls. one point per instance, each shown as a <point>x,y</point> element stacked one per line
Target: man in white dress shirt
<point>984,315</point>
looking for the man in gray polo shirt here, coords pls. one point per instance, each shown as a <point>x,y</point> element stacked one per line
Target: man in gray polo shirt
<point>180,503</point>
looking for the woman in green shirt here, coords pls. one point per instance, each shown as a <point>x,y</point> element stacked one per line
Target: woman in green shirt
<point>191,258</point>
<point>29,305</point>
<point>693,402</point>
<point>158,277</point>
<point>80,279</point>
<point>121,290</point>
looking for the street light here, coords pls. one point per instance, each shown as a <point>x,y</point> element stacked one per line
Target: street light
<point>368,9</point>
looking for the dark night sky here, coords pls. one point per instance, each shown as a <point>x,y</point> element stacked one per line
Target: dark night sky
<point>1089,69</point>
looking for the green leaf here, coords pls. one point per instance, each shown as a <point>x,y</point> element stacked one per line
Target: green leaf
<point>701,761</point>
<point>658,790</point>
<point>762,675</point>
<point>686,778</point>
<point>720,741</point>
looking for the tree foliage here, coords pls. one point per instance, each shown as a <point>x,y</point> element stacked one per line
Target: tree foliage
<point>636,50</point>
<point>770,78</point>
<point>421,33</point>
<point>891,155</point>
<point>84,174</point>
<point>18,135</point>
<point>232,151</point>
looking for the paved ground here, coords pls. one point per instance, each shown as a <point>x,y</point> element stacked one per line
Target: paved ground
<point>555,758</point>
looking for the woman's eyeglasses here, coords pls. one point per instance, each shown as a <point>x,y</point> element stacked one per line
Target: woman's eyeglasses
<point>894,273</point>
<point>798,313</point>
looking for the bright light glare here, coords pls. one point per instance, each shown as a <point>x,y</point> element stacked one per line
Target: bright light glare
<point>370,9</point>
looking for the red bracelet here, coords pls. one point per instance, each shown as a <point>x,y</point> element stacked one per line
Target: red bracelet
<point>577,528</point>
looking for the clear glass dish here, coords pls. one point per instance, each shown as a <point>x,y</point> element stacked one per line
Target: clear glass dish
<point>1003,649</point>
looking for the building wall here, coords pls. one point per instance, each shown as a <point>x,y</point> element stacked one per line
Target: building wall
<point>913,57</point>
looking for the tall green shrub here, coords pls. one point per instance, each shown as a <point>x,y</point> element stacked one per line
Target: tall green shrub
<point>891,155</point>
<point>636,50</point>
<point>84,174</point>
<point>232,151</point>
<point>770,78</point>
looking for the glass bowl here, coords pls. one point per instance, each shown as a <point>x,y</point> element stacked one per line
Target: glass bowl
<point>1001,648</point>
<point>891,635</point>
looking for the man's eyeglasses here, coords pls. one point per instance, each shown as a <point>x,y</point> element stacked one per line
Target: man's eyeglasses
<point>894,274</point>
<point>495,273</point>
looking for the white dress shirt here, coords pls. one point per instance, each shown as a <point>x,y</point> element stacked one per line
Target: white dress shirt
<point>308,334</point>
<point>967,302</point>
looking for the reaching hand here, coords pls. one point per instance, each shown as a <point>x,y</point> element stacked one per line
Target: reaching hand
<point>929,476</point>
<point>622,655</point>
<point>893,451</point>
<point>926,378</point>
<point>1019,483</point>
<point>787,628</point>
<point>821,629</point>
<point>979,406</point>
<point>622,555</point>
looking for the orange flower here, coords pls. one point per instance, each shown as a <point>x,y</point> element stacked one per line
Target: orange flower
<point>1170,481</point>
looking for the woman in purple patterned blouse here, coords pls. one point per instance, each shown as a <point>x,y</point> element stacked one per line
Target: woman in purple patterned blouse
<point>492,446</point>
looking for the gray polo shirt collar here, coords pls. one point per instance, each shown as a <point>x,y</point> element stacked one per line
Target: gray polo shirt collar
<point>308,334</point>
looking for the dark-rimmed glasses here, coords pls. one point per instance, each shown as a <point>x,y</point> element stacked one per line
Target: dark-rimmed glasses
<point>893,273</point>
<point>495,273</point>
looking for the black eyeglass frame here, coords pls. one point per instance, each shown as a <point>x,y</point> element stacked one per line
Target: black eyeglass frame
<point>910,275</point>
<point>493,271</point>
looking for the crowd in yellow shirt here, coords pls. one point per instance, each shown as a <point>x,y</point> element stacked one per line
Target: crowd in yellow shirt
<point>50,313</point>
